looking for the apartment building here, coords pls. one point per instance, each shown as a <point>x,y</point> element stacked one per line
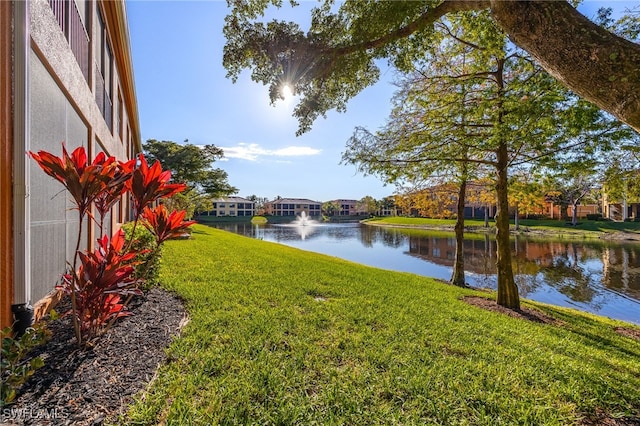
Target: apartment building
<point>66,75</point>
<point>233,206</point>
<point>293,207</point>
<point>347,207</point>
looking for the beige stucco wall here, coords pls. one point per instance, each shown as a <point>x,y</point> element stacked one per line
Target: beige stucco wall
<point>62,107</point>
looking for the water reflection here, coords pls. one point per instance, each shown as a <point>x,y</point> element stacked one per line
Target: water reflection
<point>596,277</point>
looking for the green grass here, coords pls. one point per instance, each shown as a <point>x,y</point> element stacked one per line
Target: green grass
<point>283,336</point>
<point>585,228</point>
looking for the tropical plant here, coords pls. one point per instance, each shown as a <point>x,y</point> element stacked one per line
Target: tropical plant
<point>148,184</point>
<point>107,273</point>
<point>14,369</point>
<point>191,165</point>
<point>85,182</point>
<point>143,243</point>
<point>164,225</point>
<point>103,277</point>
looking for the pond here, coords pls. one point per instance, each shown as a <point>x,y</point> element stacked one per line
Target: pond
<point>597,277</point>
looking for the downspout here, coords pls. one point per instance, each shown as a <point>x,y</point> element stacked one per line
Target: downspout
<point>21,307</point>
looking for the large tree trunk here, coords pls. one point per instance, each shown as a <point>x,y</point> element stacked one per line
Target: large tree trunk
<point>507,289</point>
<point>593,62</point>
<point>457,278</point>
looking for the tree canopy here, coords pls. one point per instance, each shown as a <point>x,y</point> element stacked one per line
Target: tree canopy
<point>191,165</point>
<point>476,103</point>
<point>336,58</point>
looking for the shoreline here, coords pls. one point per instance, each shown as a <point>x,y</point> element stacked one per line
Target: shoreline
<point>614,236</point>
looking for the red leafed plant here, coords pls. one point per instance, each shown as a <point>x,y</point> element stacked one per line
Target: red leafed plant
<point>112,193</point>
<point>164,225</point>
<point>84,180</point>
<point>103,277</point>
<point>148,184</point>
<point>105,274</point>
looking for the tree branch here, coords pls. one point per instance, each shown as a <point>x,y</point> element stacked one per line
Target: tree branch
<point>427,18</point>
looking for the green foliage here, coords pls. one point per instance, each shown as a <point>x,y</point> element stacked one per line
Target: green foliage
<point>148,254</point>
<point>337,57</point>
<point>191,165</point>
<point>281,53</point>
<point>368,205</point>
<point>96,280</point>
<point>259,219</point>
<point>14,370</point>
<point>330,208</point>
<point>187,201</point>
<point>284,336</point>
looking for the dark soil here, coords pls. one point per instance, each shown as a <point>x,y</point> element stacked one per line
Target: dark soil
<point>524,313</point>
<point>632,333</point>
<point>94,385</point>
<point>537,316</point>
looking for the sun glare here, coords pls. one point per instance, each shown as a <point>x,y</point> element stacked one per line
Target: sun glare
<point>287,92</point>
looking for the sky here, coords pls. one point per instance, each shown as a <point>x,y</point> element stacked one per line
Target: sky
<point>183,94</point>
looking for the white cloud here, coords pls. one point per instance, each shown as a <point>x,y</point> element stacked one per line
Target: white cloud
<point>253,151</point>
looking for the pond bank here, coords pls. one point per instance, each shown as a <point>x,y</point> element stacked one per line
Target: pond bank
<point>525,230</point>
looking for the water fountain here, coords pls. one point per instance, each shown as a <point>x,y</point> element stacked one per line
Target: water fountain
<point>304,225</point>
<point>303,220</point>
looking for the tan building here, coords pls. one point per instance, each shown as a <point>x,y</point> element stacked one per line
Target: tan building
<point>294,207</point>
<point>619,210</point>
<point>347,207</point>
<point>233,206</point>
<point>68,65</point>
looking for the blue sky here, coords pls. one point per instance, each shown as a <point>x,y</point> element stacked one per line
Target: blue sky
<point>183,94</point>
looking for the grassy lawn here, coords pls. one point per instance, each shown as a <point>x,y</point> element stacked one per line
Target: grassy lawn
<point>283,336</point>
<point>584,227</point>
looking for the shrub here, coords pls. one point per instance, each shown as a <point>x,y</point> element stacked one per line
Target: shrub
<point>594,216</point>
<point>148,256</point>
<point>103,277</point>
<point>14,370</point>
<point>97,280</point>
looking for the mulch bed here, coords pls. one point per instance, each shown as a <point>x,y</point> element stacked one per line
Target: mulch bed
<point>537,316</point>
<point>633,333</point>
<point>524,313</point>
<point>91,386</point>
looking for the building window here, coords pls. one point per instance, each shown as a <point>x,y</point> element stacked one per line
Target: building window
<point>120,117</point>
<point>104,64</point>
<point>72,17</point>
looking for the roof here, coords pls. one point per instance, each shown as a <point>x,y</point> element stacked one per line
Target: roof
<point>294,201</point>
<point>232,200</point>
